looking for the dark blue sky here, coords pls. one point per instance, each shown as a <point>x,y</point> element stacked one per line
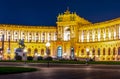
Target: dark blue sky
<point>44,12</point>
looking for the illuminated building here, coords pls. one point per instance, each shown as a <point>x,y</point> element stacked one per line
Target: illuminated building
<point>73,37</point>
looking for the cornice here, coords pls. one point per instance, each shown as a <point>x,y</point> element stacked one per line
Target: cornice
<point>104,24</point>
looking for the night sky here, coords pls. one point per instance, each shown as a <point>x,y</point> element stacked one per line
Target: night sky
<point>45,12</point>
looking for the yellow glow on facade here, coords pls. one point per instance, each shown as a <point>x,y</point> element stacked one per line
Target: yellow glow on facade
<point>82,37</point>
<point>88,37</point>
<point>109,35</point>
<point>98,36</point>
<point>71,31</point>
<point>104,36</point>
<point>93,36</point>
<point>119,31</point>
<point>114,35</point>
<point>87,49</point>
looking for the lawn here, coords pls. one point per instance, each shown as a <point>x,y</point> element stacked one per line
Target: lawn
<point>12,70</point>
<point>68,62</point>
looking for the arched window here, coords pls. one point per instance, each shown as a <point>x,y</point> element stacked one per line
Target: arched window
<point>98,51</point>
<point>48,51</point>
<point>103,51</point>
<point>29,50</point>
<point>119,51</point>
<point>93,51</point>
<point>108,51</point>
<point>114,51</point>
<point>36,52</point>
<point>82,51</point>
<point>42,51</point>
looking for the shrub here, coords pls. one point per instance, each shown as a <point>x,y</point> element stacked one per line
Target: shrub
<point>62,59</point>
<point>29,58</point>
<point>75,59</point>
<point>18,57</point>
<point>91,59</point>
<point>48,58</point>
<point>40,58</point>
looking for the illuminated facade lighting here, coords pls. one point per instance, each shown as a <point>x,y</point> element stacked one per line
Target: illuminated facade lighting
<point>71,32</point>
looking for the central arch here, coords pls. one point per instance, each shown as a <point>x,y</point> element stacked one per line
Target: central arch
<point>59,52</point>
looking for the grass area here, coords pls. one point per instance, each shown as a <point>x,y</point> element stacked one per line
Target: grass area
<point>71,62</point>
<point>78,62</point>
<point>11,70</point>
<point>106,62</point>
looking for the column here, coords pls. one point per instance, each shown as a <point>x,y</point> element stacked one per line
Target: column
<point>82,36</point>
<point>35,36</point>
<point>42,37</point>
<point>45,37</point>
<point>109,34</point>
<point>99,34</point>
<point>54,36</point>
<point>93,35</point>
<point>19,35</point>
<point>90,35</point>
<point>39,35</point>
<point>104,34</point>
<point>119,31</point>
<point>114,32</point>
<point>96,34</point>
<point>26,36</point>
<point>5,35</point>
<point>87,35</point>
<point>11,35</point>
<point>79,34</point>
<point>32,36</point>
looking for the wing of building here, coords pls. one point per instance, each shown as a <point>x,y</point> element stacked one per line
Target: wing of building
<point>72,37</point>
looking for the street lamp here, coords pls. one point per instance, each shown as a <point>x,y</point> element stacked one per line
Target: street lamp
<point>47,52</point>
<point>47,48</point>
<point>1,57</point>
<point>9,44</point>
<point>87,51</point>
<point>25,55</point>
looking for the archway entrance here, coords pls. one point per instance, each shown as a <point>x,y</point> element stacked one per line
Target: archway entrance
<point>72,53</point>
<point>59,52</point>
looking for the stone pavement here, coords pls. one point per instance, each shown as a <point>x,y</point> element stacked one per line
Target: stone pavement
<point>67,72</point>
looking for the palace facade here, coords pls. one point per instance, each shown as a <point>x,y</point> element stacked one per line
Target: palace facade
<point>72,37</point>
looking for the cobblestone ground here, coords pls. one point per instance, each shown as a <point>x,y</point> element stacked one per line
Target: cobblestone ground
<point>83,72</point>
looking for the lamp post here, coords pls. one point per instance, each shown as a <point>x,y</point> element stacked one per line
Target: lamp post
<point>47,48</point>
<point>47,52</point>
<point>87,51</point>
<point>25,55</point>
<point>9,44</point>
<point>9,47</point>
<point>2,49</point>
